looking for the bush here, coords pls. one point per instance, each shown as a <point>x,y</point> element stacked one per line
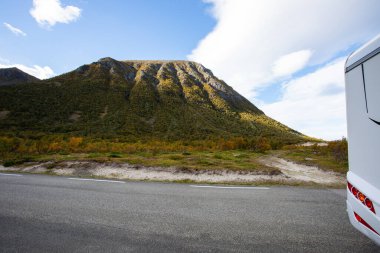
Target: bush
<point>339,149</point>
<point>262,145</point>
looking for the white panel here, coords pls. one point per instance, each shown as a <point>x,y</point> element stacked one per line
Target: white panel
<point>372,86</point>
<point>363,134</point>
<point>363,104</point>
<point>363,51</point>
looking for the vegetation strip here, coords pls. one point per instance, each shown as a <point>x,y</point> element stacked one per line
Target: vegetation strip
<point>230,187</point>
<point>96,180</point>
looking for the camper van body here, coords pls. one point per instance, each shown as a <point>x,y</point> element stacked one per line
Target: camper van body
<point>362,73</point>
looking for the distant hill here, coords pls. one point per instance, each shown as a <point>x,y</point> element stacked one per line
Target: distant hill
<point>10,76</point>
<point>134,100</point>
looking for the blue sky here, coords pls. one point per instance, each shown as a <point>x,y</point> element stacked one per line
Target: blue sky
<point>121,29</point>
<point>287,57</point>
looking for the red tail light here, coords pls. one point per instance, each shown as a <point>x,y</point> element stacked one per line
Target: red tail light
<point>349,186</point>
<point>369,204</point>
<point>355,191</point>
<point>360,219</point>
<point>361,197</point>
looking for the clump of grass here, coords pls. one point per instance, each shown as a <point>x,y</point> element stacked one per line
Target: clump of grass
<point>115,155</point>
<point>241,155</point>
<point>16,161</point>
<point>205,162</point>
<point>218,156</point>
<point>94,155</point>
<point>175,157</point>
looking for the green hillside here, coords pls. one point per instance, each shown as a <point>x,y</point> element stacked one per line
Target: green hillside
<point>133,101</point>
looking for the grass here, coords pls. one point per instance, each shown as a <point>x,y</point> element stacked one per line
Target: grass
<point>236,160</point>
<point>308,156</point>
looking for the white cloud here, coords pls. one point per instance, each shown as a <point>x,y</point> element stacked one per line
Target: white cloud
<point>257,43</point>
<point>315,103</point>
<point>35,70</point>
<point>291,63</point>
<point>251,35</point>
<point>14,30</point>
<point>49,12</point>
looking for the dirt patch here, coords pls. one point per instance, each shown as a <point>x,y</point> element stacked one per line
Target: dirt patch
<point>138,172</point>
<point>173,174</point>
<point>103,114</point>
<point>303,172</point>
<point>4,114</point>
<point>64,172</point>
<point>309,144</point>
<point>75,116</point>
<point>150,121</point>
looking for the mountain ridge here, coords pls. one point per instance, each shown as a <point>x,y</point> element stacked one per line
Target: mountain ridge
<point>137,100</point>
<point>13,75</point>
<point>176,71</point>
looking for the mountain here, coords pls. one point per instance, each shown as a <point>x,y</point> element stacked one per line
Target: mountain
<point>136,100</point>
<point>10,76</point>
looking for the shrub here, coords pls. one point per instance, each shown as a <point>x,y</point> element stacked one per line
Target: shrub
<point>262,145</point>
<point>339,149</point>
<point>16,161</point>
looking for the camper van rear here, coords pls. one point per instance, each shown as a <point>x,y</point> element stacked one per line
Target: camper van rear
<point>363,128</point>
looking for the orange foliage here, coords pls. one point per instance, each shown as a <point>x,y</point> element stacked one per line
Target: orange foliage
<point>74,143</point>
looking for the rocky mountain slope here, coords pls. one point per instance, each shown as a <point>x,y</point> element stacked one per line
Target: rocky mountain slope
<point>10,76</point>
<point>134,100</point>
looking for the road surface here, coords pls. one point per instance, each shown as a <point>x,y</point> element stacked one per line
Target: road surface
<point>57,214</point>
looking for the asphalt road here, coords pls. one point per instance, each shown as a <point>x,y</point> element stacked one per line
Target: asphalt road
<point>57,214</point>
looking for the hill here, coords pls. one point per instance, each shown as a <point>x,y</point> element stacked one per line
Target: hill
<point>136,100</point>
<point>10,76</point>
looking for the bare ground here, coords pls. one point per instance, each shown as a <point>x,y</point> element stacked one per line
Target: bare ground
<point>304,172</point>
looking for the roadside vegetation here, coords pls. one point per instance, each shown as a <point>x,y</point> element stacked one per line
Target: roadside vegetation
<point>233,160</point>
<point>237,154</point>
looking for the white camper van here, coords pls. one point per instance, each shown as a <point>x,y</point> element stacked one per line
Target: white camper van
<point>363,123</point>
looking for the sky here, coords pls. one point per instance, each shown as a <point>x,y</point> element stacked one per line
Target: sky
<point>287,57</point>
